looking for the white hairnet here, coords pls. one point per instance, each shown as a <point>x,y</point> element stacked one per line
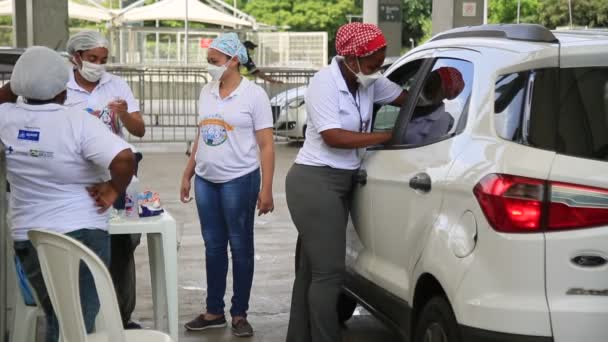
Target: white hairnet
<point>40,74</point>
<point>86,40</point>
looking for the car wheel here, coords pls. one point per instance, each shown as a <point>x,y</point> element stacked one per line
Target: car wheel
<point>346,307</point>
<point>304,132</point>
<point>437,323</point>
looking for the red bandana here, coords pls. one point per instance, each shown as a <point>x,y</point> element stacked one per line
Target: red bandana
<point>451,81</point>
<point>358,39</point>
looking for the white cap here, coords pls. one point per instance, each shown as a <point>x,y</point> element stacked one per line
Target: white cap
<point>40,74</point>
<point>86,40</point>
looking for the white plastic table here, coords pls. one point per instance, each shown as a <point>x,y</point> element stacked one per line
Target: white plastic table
<point>161,232</point>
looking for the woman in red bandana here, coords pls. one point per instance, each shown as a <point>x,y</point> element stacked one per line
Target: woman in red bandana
<point>339,101</point>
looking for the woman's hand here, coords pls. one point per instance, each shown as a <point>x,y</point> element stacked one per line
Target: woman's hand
<point>119,107</point>
<point>184,192</point>
<point>265,202</point>
<point>104,195</point>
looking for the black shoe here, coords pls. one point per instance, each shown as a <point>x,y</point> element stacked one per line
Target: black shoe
<point>242,328</point>
<point>200,323</point>
<point>132,325</point>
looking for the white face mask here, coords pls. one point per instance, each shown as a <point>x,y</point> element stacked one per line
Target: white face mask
<point>365,80</point>
<point>92,72</point>
<point>217,72</point>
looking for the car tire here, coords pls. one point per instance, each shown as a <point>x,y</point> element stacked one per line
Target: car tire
<point>437,323</point>
<point>346,307</point>
<point>304,132</point>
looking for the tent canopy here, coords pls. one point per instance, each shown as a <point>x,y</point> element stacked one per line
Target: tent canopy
<point>162,10</point>
<point>75,11</point>
<point>176,10</point>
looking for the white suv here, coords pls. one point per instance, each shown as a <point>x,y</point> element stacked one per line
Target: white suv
<point>496,230</point>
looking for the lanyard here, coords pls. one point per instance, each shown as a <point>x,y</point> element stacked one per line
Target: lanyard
<point>362,124</point>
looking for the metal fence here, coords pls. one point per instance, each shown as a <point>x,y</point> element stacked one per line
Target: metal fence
<point>168,99</point>
<point>290,49</point>
<point>169,46</point>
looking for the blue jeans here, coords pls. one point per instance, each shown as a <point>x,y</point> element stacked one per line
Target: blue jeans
<point>99,242</point>
<point>226,212</point>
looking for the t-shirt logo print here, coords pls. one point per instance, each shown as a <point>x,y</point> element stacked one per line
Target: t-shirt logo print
<point>214,130</point>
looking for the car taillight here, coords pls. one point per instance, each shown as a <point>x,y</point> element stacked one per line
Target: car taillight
<point>514,204</point>
<point>575,206</point>
<point>511,204</point>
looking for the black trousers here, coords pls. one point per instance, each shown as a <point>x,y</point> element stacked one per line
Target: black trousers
<point>122,263</point>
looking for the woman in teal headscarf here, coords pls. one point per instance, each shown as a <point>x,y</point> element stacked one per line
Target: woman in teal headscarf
<point>235,120</point>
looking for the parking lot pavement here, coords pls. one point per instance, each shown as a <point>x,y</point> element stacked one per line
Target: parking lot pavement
<point>275,241</point>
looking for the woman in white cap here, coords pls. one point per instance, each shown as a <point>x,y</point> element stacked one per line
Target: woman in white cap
<point>55,157</point>
<point>109,98</point>
<point>235,120</point>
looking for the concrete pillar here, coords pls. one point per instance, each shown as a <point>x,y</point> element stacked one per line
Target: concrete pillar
<point>448,14</point>
<point>387,15</point>
<point>443,15</point>
<point>41,23</point>
<point>19,23</point>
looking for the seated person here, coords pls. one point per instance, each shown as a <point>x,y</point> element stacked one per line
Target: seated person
<point>430,119</point>
<point>56,158</point>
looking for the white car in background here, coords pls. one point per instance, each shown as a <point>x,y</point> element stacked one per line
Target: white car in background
<point>497,230</point>
<point>289,111</point>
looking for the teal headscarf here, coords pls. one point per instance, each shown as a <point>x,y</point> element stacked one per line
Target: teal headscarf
<point>230,44</point>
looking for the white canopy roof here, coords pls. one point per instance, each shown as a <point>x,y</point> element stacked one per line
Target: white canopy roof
<point>75,11</point>
<point>176,10</point>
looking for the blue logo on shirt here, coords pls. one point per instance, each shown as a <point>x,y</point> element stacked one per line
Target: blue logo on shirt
<point>28,135</point>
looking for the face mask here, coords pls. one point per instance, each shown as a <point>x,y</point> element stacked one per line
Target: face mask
<point>365,80</point>
<point>217,72</point>
<point>92,72</point>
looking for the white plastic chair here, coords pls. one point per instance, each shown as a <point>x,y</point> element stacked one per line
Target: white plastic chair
<point>25,317</point>
<point>60,258</point>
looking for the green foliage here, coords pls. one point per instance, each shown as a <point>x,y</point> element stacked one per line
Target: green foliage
<point>550,13</point>
<point>592,13</point>
<point>416,14</point>
<point>310,15</point>
<point>505,11</point>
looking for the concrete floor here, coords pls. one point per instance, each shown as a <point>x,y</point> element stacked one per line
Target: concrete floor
<point>275,241</point>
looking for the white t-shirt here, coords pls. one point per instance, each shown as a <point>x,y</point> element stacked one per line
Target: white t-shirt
<point>330,105</point>
<point>227,145</point>
<point>110,87</point>
<point>53,153</point>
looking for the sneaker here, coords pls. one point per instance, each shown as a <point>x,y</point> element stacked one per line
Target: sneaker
<point>242,328</point>
<point>200,323</point>
<point>132,325</point>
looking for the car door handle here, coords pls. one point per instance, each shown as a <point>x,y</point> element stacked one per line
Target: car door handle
<point>421,182</point>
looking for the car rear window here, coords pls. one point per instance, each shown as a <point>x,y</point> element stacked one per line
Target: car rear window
<point>562,110</point>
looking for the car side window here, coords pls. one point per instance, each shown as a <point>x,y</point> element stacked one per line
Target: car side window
<point>509,95</point>
<point>442,104</point>
<point>386,116</point>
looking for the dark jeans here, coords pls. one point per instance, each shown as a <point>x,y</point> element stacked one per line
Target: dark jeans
<point>122,263</point>
<point>99,242</point>
<point>226,212</point>
<point>319,203</point>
